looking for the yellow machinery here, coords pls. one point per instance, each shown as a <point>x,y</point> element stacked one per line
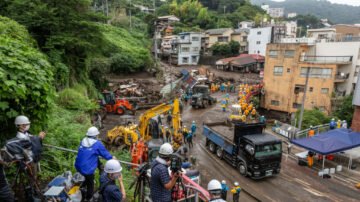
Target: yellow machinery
<point>236,113</point>
<point>123,134</point>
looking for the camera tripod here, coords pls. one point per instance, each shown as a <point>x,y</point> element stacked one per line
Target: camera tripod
<point>176,189</point>
<point>141,182</point>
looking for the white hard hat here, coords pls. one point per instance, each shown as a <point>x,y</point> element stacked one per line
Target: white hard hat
<point>311,126</point>
<point>344,121</point>
<point>112,166</point>
<point>184,126</point>
<point>333,119</point>
<point>166,149</point>
<point>92,132</point>
<point>339,120</point>
<point>214,185</point>
<point>223,182</point>
<point>21,120</point>
<point>236,184</point>
<point>193,121</point>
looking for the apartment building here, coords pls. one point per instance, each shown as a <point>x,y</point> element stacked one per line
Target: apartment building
<point>285,72</point>
<point>347,32</point>
<point>186,49</point>
<point>328,34</point>
<point>258,38</point>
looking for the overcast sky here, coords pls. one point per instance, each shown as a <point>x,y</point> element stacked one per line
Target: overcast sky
<point>350,2</point>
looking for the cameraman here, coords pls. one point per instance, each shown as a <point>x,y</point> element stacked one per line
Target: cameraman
<point>160,182</point>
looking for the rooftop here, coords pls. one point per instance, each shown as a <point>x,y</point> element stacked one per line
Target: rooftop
<point>262,138</point>
<point>217,31</point>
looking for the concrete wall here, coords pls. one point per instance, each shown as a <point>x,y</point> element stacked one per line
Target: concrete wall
<point>343,30</point>
<point>264,38</point>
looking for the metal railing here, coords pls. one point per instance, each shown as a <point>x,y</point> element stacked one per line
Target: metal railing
<point>326,59</point>
<point>341,76</point>
<point>177,41</point>
<point>318,129</point>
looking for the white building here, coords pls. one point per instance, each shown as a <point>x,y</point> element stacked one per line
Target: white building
<point>327,34</point>
<point>186,48</point>
<point>291,27</point>
<point>265,7</point>
<point>246,24</point>
<point>276,12</point>
<point>258,38</point>
<point>292,15</point>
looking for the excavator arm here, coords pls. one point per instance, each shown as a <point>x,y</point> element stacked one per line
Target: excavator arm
<point>158,110</point>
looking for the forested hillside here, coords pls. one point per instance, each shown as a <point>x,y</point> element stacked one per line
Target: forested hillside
<point>337,13</point>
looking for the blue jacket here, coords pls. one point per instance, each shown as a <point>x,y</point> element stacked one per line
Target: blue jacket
<point>193,128</point>
<point>332,124</point>
<point>224,187</point>
<point>88,154</point>
<point>111,192</point>
<point>189,135</point>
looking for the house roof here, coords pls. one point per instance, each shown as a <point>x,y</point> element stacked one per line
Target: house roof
<point>249,58</point>
<point>217,31</point>
<point>169,17</point>
<point>255,56</point>
<point>243,61</point>
<point>241,30</point>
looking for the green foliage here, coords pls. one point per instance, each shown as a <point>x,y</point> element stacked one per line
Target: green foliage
<point>234,47</point>
<point>26,79</point>
<point>73,99</point>
<point>345,110</point>
<point>227,50</point>
<point>312,118</point>
<point>308,20</point>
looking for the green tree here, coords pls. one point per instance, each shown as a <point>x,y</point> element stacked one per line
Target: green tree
<point>312,118</point>
<point>345,110</point>
<point>234,47</point>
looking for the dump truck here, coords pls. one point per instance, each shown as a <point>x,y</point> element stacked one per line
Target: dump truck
<point>202,97</point>
<point>245,146</point>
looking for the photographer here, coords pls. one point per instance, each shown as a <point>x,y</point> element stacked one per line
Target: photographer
<point>161,183</point>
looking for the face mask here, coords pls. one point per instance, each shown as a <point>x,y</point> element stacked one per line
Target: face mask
<point>27,128</point>
<point>117,176</point>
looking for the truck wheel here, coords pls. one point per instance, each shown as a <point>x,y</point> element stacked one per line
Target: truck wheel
<point>219,153</point>
<point>120,110</point>
<point>205,104</point>
<point>242,168</point>
<point>212,147</point>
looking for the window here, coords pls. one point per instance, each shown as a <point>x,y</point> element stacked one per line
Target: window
<point>195,49</point>
<point>311,89</point>
<point>258,42</point>
<point>275,102</point>
<point>324,90</point>
<point>194,59</point>
<point>194,38</point>
<point>288,70</point>
<point>296,105</point>
<point>289,53</point>
<point>242,48</point>
<point>322,36</point>
<point>299,89</point>
<point>185,49</point>
<point>273,53</point>
<point>185,60</point>
<point>349,36</point>
<point>321,108</point>
<point>223,39</point>
<point>244,39</point>
<point>259,33</point>
<point>315,72</point>
<point>278,71</point>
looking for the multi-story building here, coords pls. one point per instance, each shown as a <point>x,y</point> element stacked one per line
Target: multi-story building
<point>186,49</point>
<point>327,34</point>
<point>286,68</point>
<point>246,24</point>
<point>241,36</point>
<point>291,15</point>
<point>258,38</point>
<point>347,32</point>
<point>291,27</point>
<point>276,12</point>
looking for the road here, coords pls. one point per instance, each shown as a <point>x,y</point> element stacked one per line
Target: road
<point>294,183</point>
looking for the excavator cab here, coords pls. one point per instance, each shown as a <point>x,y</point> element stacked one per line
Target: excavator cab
<point>109,98</point>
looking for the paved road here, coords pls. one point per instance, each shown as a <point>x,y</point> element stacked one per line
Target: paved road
<point>294,183</point>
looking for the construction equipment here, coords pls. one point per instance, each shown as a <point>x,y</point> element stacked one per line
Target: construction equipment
<point>112,104</point>
<point>123,135</point>
<point>202,97</point>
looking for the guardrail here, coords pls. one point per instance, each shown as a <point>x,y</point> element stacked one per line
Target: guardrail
<point>326,59</point>
<point>318,129</point>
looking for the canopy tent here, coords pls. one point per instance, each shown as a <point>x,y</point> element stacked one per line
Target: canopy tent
<point>330,142</point>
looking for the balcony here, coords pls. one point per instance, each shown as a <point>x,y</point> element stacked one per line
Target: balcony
<point>181,41</point>
<point>308,41</point>
<point>341,77</point>
<point>326,59</point>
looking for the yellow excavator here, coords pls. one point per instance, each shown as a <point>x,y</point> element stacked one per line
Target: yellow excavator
<point>121,135</point>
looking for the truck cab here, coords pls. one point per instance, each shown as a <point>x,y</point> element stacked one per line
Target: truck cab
<point>202,97</point>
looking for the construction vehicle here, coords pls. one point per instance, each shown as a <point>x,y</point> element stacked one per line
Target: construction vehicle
<point>247,148</point>
<point>111,104</point>
<point>123,135</point>
<point>202,97</point>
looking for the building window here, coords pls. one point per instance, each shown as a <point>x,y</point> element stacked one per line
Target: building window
<point>185,60</point>
<point>321,108</point>
<point>242,48</point>
<point>299,89</point>
<point>258,42</point>
<point>296,105</point>
<point>182,37</point>
<point>311,89</point>
<point>194,59</point>
<point>185,49</point>
<point>244,39</point>
<point>288,70</point>
<point>195,49</point>
<point>349,36</point>
<point>324,90</point>
<point>195,38</point>
<point>273,53</point>
<point>223,39</point>
<point>323,73</point>
<point>278,71</point>
<point>259,33</point>
<point>275,102</point>
<point>289,53</point>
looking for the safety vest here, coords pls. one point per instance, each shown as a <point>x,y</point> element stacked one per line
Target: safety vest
<point>236,190</point>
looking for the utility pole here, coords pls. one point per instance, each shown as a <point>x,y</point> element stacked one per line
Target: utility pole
<point>224,9</point>
<point>155,43</point>
<point>154,7</point>
<point>107,8</point>
<point>130,16</point>
<point>304,96</point>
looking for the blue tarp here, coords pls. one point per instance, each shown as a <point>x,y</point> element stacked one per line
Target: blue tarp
<point>330,142</point>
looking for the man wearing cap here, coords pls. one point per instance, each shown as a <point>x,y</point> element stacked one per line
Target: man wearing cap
<point>161,183</point>
<point>108,189</point>
<point>87,158</point>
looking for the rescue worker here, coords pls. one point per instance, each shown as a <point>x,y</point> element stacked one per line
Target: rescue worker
<point>185,133</point>
<point>311,131</point>
<point>246,112</point>
<point>167,134</point>
<point>227,98</point>
<point>236,192</point>
<point>222,87</point>
<point>214,189</point>
<point>159,120</point>
<point>232,88</point>
<point>332,124</point>
<point>212,88</point>
<point>108,189</point>
<point>344,124</point>
<point>193,128</point>
<point>87,159</point>
<point>253,113</point>
<point>262,119</point>
<point>160,182</point>
<point>223,105</point>
<point>310,158</point>
<point>190,94</point>
<point>162,130</point>
<point>338,124</point>
<point>224,190</point>
<point>189,139</point>
<point>169,118</point>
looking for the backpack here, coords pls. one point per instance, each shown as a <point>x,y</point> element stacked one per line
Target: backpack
<point>99,194</point>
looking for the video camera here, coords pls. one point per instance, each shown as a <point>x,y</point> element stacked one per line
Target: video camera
<point>176,164</point>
